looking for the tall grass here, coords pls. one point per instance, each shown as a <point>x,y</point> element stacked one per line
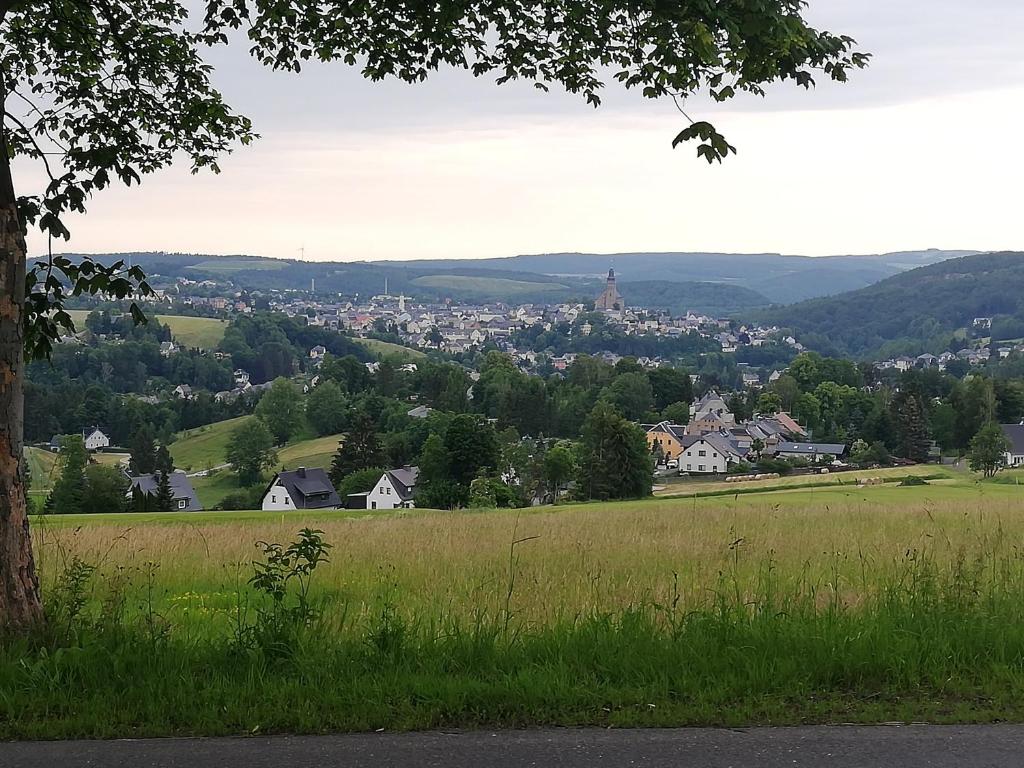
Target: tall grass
<point>654,614</point>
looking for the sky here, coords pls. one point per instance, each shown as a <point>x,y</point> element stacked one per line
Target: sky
<point>921,150</point>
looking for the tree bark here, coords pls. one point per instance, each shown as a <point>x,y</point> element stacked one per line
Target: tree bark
<point>20,604</point>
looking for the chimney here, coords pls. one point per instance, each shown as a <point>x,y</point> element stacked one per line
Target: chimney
<point>301,471</point>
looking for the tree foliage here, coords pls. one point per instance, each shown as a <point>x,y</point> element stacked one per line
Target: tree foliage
<point>614,461</point>
<point>988,450</point>
<point>251,451</point>
<point>281,410</point>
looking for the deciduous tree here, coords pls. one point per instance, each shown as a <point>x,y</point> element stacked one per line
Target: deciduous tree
<point>988,449</point>
<point>250,451</point>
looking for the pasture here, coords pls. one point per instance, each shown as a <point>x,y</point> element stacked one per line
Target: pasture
<point>801,605</point>
<point>388,349</point>
<point>200,332</point>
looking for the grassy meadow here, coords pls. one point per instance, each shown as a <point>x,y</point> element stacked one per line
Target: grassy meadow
<point>201,332</point>
<point>831,604</point>
<point>389,349</point>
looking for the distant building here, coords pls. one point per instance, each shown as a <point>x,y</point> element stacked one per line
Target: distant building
<point>1015,434</point>
<point>300,489</point>
<point>95,439</point>
<point>395,490</point>
<point>610,299</point>
<point>184,495</point>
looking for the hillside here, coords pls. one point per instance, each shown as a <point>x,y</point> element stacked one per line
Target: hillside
<point>781,278</point>
<point>547,278</point>
<point>200,332</point>
<point>913,312</point>
<point>205,448</point>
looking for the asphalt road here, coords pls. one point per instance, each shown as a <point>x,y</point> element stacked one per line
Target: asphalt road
<point>833,746</point>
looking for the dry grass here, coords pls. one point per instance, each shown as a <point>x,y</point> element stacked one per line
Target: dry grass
<point>580,559</point>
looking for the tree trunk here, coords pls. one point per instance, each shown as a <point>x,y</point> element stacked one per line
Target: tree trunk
<point>20,604</point>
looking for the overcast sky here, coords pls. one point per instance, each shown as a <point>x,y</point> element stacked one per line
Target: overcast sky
<point>921,150</point>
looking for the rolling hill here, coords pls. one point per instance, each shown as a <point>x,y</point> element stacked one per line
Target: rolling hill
<point>720,283</point>
<point>781,278</point>
<point>917,311</point>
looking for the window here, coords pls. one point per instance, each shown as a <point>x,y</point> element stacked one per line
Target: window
<point>287,499</point>
<point>182,503</point>
<point>389,490</point>
<point>714,455</point>
<point>702,453</point>
<point>273,499</point>
<point>689,467</point>
<point>700,467</point>
<point>373,505</point>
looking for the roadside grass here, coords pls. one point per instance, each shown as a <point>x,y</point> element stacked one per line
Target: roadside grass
<point>888,604</point>
<point>389,349</point>
<point>201,332</point>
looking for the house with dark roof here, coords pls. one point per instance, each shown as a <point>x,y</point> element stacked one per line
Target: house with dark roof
<point>302,488</point>
<point>396,489</point>
<point>1015,434</point>
<point>184,495</point>
<point>810,451</point>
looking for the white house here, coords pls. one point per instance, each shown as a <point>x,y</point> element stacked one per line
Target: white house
<point>395,490</point>
<point>1015,434</point>
<point>707,454</point>
<point>95,439</point>
<point>301,488</point>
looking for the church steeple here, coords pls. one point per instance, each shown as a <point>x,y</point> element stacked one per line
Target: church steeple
<point>610,298</point>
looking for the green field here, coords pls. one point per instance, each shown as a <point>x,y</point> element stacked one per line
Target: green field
<point>41,464</point>
<point>229,265</point>
<point>204,447</point>
<point>201,332</point>
<point>836,604</point>
<point>387,349</point>
<point>487,286</point>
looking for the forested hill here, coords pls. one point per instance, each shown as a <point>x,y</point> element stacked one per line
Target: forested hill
<point>930,309</point>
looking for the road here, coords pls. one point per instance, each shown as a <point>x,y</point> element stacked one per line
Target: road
<point>979,746</point>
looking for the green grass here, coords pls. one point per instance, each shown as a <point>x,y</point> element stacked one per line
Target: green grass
<point>833,604</point>
<point>205,447</point>
<point>41,464</point>
<point>487,286</point>
<point>201,332</point>
<point>388,349</point>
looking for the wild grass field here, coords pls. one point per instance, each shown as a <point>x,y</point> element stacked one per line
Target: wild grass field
<point>389,349</point>
<point>200,332</point>
<point>808,605</point>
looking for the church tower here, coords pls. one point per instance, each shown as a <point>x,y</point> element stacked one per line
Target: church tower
<point>610,299</point>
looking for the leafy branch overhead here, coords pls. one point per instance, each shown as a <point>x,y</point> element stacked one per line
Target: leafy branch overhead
<point>97,91</point>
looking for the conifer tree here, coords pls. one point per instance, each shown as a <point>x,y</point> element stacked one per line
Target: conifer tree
<point>164,494</point>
